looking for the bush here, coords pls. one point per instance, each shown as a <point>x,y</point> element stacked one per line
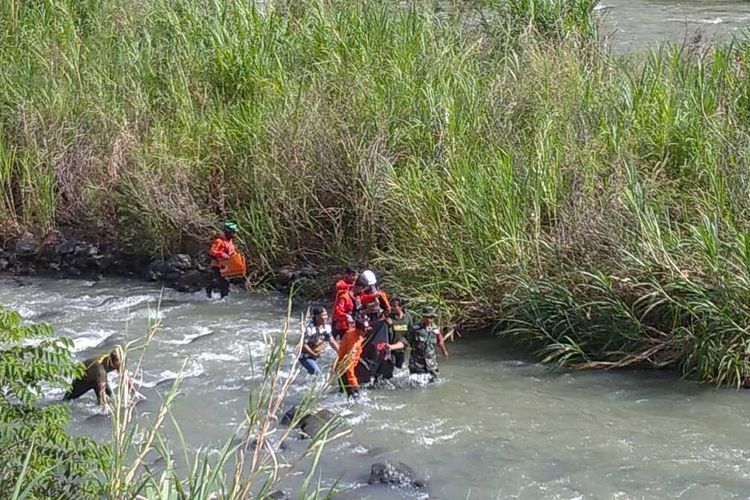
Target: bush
<point>36,455</point>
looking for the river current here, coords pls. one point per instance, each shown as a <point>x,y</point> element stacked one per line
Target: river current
<point>496,426</point>
<point>639,24</point>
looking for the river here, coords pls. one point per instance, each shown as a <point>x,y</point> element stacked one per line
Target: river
<point>495,426</point>
<point>637,24</point>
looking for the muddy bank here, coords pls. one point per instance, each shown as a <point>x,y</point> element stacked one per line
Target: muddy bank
<point>64,257</point>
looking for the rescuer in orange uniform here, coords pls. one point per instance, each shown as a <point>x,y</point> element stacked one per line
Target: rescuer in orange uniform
<point>343,304</point>
<point>350,351</point>
<point>221,249</point>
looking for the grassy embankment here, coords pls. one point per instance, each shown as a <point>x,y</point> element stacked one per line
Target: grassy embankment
<point>499,161</point>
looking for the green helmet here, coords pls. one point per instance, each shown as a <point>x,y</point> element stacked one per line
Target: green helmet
<point>231,226</point>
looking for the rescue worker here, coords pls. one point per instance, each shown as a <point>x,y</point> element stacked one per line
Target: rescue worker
<point>317,336</point>
<point>368,292</point>
<point>423,338</point>
<point>343,305</point>
<point>400,322</point>
<point>221,249</point>
<point>95,378</point>
<point>347,282</point>
<point>350,351</point>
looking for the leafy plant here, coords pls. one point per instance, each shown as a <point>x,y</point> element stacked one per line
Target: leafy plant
<point>38,459</point>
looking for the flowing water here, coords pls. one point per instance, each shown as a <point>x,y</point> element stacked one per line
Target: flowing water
<point>636,24</point>
<point>495,426</point>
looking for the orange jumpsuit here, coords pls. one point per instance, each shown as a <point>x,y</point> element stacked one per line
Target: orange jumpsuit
<point>350,350</point>
<point>343,307</point>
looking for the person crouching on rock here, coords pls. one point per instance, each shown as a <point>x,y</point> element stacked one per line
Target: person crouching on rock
<point>95,378</point>
<point>423,339</point>
<point>221,249</point>
<point>350,352</point>
<point>317,336</point>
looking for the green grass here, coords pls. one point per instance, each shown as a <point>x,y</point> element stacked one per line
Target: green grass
<point>492,157</point>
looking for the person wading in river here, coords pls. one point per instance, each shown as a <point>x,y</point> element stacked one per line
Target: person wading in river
<point>401,322</point>
<point>221,249</point>
<point>350,351</point>
<point>423,339</point>
<point>347,282</point>
<point>343,305</point>
<point>368,292</point>
<point>317,336</point>
<point>95,378</point>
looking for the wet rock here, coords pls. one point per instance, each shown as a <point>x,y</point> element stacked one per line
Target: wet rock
<point>73,272</point>
<point>86,251</point>
<point>202,261</point>
<point>103,262</point>
<point>156,270</point>
<point>172,276</point>
<point>278,495</point>
<point>288,416</point>
<point>66,247</point>
<point>26,247</point>
<point>192,281</point>
<point>180,262</point>
<point>4,264</point>
<point>285,276</point>
<point>394,473</point>
<point>312,424</point>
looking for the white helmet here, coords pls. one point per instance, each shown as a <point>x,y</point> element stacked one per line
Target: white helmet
<point>368,278</point>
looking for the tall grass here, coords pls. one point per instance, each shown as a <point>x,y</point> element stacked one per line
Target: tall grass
<point>248,464</point>
<point>493,157</point>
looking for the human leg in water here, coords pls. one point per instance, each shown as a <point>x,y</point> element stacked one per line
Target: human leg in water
<point>310,365</point>
<point>218,282</point>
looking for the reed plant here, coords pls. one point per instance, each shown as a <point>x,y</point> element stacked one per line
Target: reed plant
<point>494,158</point>
<point>146,464</point>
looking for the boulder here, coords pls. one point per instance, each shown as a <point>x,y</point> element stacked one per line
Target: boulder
<point>202,261</point>
<point>26,247</point>
<point>156,270</point>
<point>192,281</point>
<point>67,247</point>
<point>288,416</point>
<point>180,262</point>
<point>394,473</point>
<point>312,424</point>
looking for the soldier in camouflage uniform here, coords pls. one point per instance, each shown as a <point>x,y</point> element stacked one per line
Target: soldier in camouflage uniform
<point>423,338</point>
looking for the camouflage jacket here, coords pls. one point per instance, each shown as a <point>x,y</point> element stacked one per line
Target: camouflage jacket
<point>423,341</point>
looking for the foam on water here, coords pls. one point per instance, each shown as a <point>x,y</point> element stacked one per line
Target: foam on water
<point>214,356</point>
<point>202,331</point>
<point>90,339</point>
<point>194,369</point>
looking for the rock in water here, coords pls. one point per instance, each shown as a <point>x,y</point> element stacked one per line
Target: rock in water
<point>396,473</point>
<point>192,281</point>
<point>278,495</point>
<point>180,262</point>
<point>288,416</point>
<point>312,424</point>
